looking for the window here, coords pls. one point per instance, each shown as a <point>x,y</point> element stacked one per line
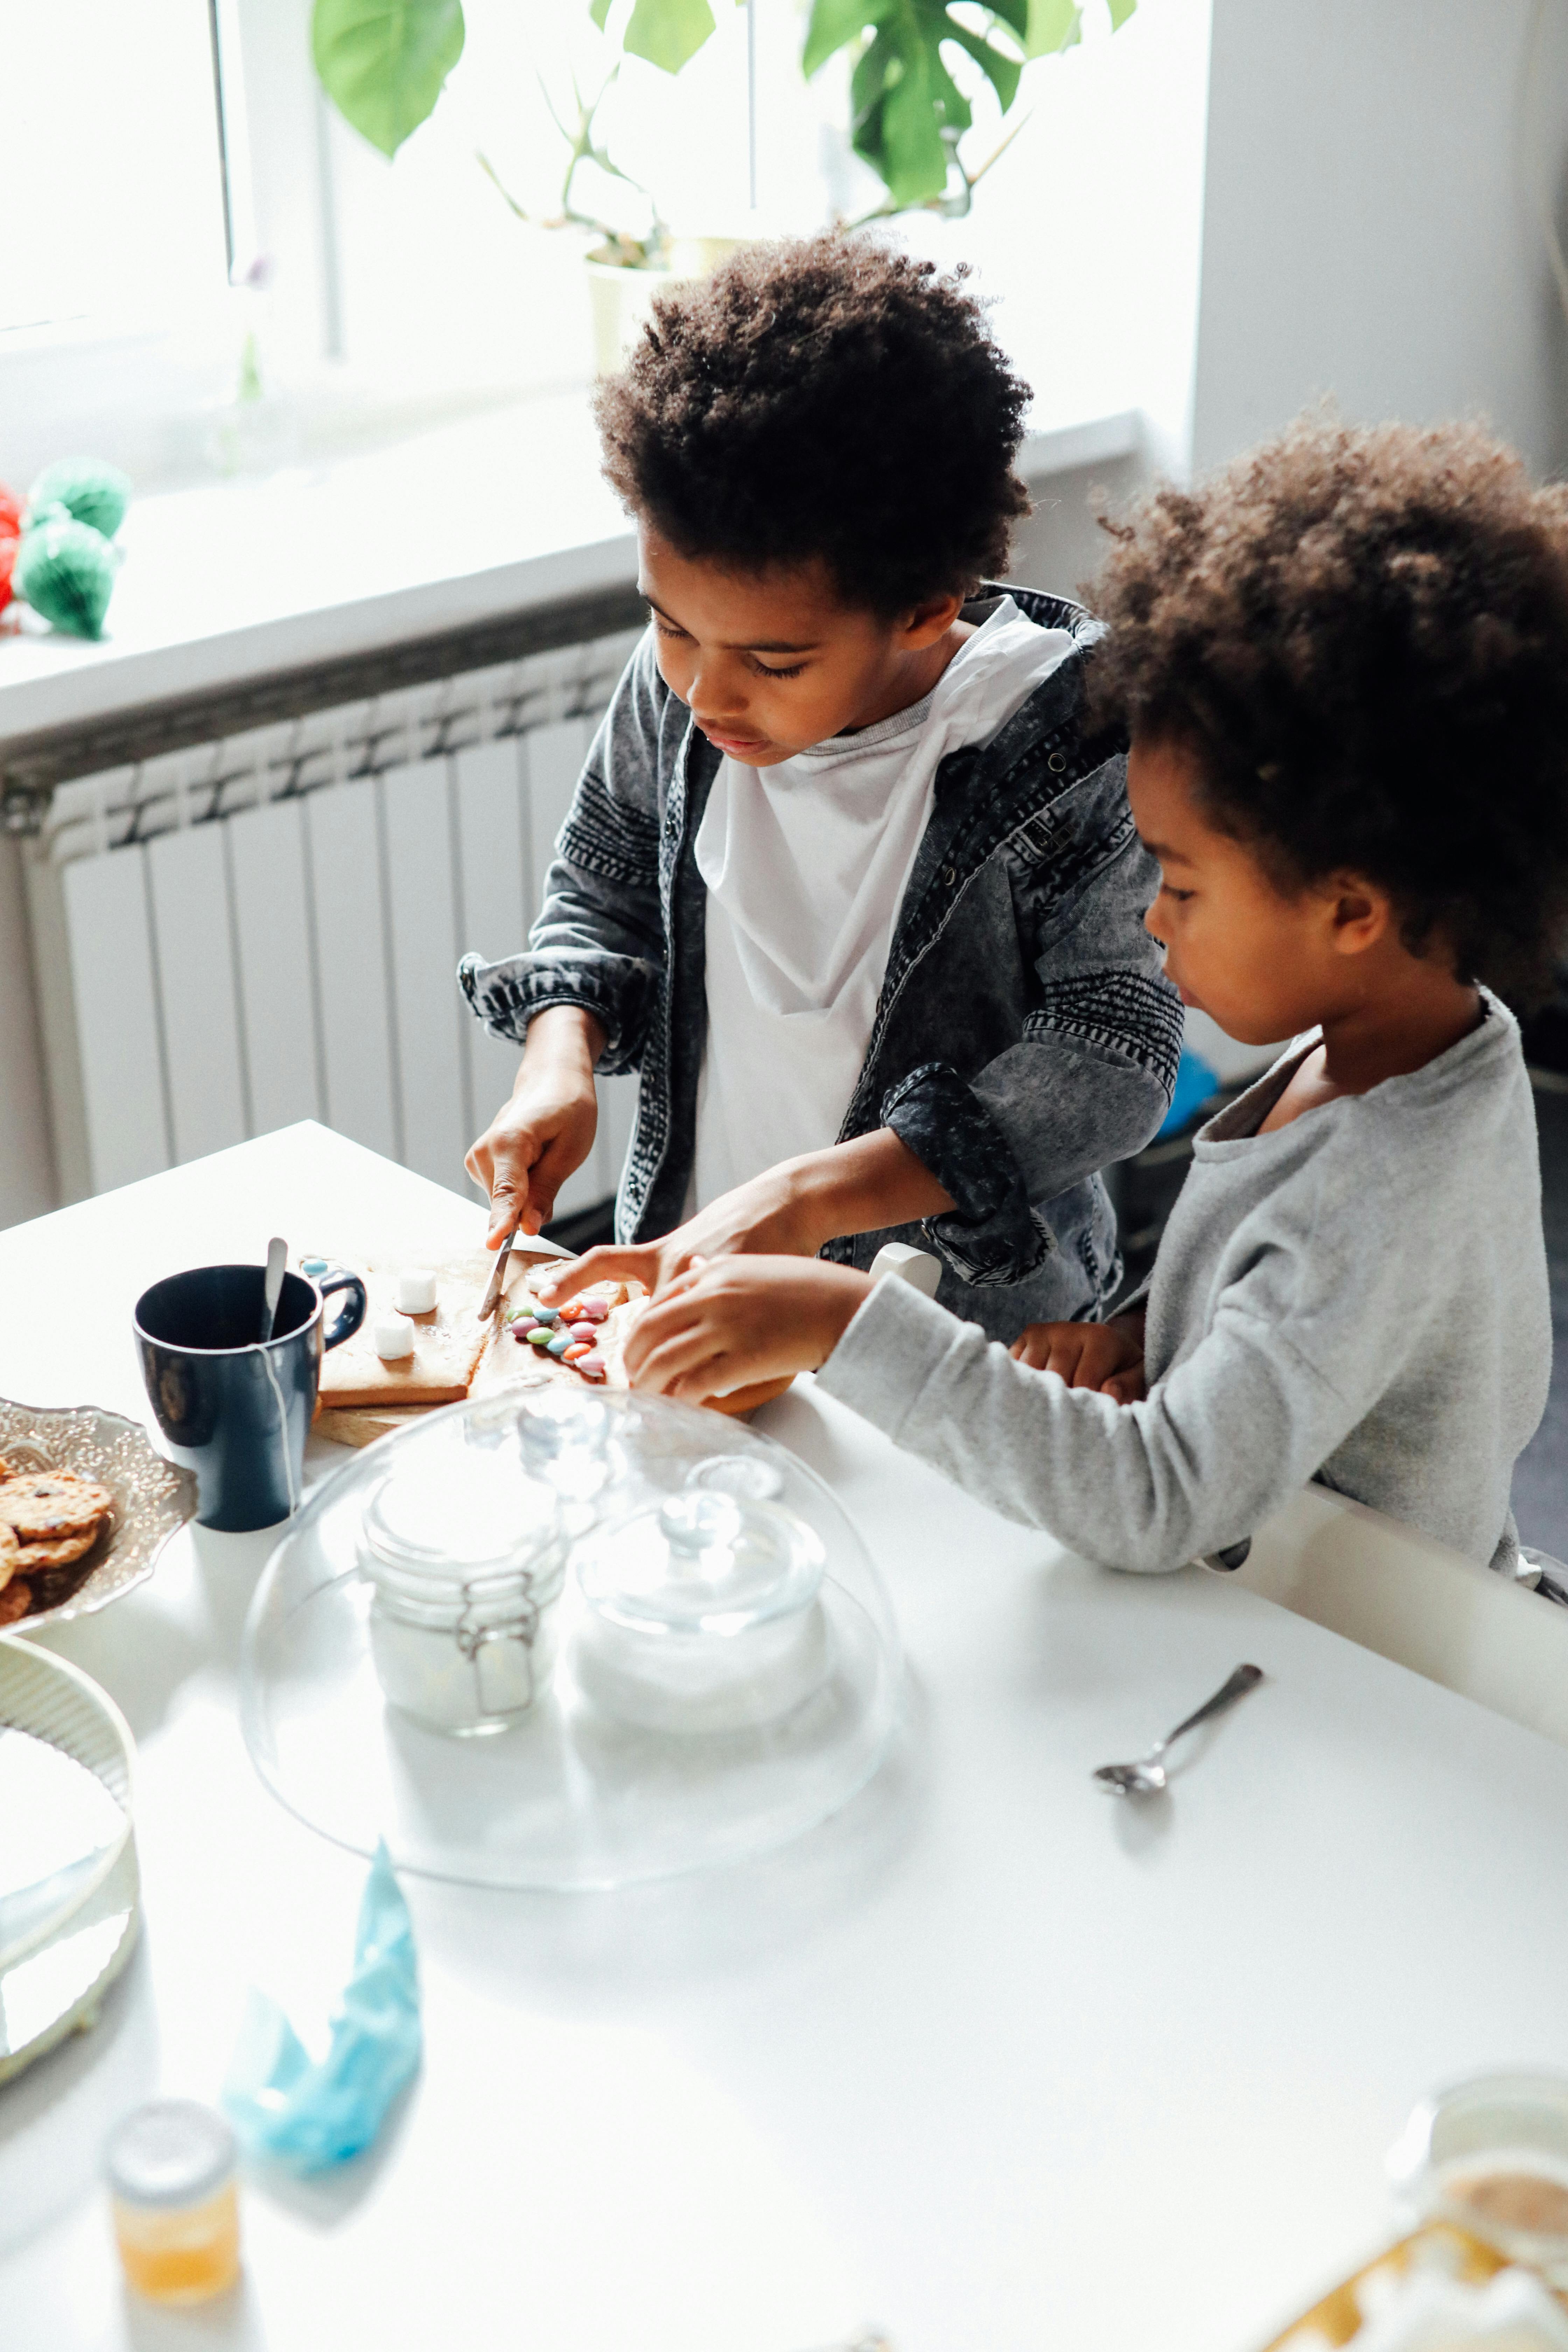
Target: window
<point>111,157</point>
<point>399,290</point>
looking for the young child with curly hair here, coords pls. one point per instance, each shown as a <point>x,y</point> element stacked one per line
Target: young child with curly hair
<point>848,879</point>
<point>1345,665</point>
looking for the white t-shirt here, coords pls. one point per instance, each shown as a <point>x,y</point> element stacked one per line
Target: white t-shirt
<point>806,865</point>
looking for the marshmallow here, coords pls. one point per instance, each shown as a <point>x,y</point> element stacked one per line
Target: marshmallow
<point>417,1290</point>
<point>916,1267</point>
<point>393,1338</point>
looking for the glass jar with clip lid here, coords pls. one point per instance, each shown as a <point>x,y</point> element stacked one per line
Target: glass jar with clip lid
<point>466,1563</point>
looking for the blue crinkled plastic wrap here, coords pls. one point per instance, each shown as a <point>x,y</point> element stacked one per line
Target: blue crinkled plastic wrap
<point>308,2114</point>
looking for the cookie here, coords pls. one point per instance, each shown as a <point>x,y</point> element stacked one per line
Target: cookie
<point>44,1504</point>
<point>15,1599</point>
<point>10,1550</point>
<point>58,1554</point>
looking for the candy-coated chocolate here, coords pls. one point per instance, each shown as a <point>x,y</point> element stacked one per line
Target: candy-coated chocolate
<point>520,1332</point>
<point>540,1336</point>
<point>591,1363</point>
<point>557,1344</point>
<point>587,1332</point>
<point>590,1372</point>
<point>545,1315</point>
<point>575,1352</point>
<point>591,1310</point>
<point>313,1266</point>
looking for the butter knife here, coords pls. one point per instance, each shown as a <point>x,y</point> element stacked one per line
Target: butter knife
<point>492,1299</point>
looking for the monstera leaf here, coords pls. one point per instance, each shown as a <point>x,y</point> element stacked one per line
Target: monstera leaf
<point>665,32</point>
<point>908,114</point>
<point>383,63</point>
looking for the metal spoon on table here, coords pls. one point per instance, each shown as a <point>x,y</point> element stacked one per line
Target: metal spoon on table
<point>272,1289</point>
<point>1146,1777</point>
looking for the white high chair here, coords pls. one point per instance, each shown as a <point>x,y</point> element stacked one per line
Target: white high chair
<point>1396,1591</point>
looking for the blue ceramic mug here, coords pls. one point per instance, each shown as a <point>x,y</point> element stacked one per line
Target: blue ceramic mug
<point>233,1410</point>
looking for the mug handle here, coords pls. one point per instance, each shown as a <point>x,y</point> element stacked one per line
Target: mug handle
<point>346,1322</point>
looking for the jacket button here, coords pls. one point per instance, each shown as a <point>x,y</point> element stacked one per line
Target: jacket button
<point>1057,763</point>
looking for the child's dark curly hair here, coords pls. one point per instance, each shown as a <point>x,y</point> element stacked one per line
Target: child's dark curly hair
<point>825,397</point>
<point>1362,636</point>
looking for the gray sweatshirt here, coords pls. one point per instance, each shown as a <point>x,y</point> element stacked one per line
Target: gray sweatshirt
<point>1360,1298</point>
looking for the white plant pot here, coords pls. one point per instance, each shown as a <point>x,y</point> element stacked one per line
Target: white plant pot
<point>622,299</point>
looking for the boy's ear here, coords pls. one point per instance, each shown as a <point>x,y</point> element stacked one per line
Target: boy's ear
<point>1361,914</point>
<point>928,622</point>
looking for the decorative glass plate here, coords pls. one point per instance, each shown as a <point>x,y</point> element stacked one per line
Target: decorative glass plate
<point>570,1796</point>
<point>68,1882</point>
<point>152,1498</point>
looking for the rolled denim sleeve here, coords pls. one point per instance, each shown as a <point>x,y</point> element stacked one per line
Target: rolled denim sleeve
<point>1087,1083</point>
<point>991,1235</point>
<point>599,940</point>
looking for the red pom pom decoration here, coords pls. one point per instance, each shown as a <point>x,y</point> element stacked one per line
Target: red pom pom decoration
<point>10,514</point>
<point>8,546</point>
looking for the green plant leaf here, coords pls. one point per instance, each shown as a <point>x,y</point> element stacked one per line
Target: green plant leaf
<point>1120,11</point>
<point>384,63</point>
<point>667,32</point>
<point>1054,26</point>
<point>599,10</point>
<point>907,111</point>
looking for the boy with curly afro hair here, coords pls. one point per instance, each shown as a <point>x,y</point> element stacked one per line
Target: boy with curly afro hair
<point>849,878</point>
<point>1344,664</point>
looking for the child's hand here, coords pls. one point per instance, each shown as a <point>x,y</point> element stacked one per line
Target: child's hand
<point>546,1131</point>
<point>739,1320</point>
<point>1104,1356</point>
<point>763,1217</point>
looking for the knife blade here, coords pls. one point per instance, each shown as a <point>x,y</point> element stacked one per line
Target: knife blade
<point>491,1299</point>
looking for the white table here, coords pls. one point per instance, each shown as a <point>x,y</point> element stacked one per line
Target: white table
<point>989,2059</point>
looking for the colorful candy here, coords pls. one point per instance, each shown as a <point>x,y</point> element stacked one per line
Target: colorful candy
<point>539,1337</point>
<point>593,1364</point>
<point>590,1310</point>
<point>557,1345</point>
<point>587,1332</point>
<point>544,1314</point>
<point>576,1351</point>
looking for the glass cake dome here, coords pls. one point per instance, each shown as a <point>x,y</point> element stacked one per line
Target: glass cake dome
<point>549,1641</point>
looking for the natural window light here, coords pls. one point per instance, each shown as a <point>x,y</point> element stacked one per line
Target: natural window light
<point>398,289</point>
<point>115,213</point>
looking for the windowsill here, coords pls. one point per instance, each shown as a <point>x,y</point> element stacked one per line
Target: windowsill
<point>456,526</point>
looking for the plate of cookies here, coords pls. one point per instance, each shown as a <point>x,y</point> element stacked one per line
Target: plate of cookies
<point>86,1507</point>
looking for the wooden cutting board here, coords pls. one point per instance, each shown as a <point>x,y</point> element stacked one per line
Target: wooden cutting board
<point>447,1342</point>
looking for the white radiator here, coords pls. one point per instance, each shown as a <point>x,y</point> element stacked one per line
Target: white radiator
<point>266,927</point>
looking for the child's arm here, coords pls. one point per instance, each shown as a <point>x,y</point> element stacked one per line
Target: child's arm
<point>1242,1423</point>
<point>852,1187</point>
<point>579,998</point>
<point>545,1128</point>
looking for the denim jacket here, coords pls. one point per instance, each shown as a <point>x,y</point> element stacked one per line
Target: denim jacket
<point>1025,1036</point>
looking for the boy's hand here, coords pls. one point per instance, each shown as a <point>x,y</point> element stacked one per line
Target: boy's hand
<point>850,1188</point>
<point>762,1216</point>
<point>742,1319</point>
<point>546,1131</point>
<point>1104,1356</point>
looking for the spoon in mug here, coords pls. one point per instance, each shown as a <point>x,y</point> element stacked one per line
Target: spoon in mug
<point>277,1256</point>
<point>1146,1777</point>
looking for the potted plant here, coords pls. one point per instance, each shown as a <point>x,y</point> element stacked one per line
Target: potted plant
<point>384,63</point>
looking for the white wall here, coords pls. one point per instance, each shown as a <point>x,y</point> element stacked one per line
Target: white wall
<point>1368,228</point>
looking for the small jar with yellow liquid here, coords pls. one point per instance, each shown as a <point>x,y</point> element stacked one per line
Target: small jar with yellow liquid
<point>171,2168</point>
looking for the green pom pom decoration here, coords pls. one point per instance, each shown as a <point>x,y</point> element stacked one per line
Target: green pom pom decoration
<point>64,569</point>
<point>91,491</point>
